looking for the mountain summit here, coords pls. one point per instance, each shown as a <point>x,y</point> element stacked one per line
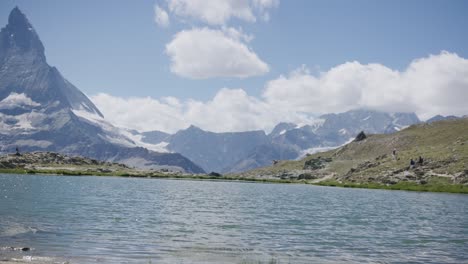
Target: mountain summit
<point>24,70</point>
<point>20,37</point>
<point>41,111</point>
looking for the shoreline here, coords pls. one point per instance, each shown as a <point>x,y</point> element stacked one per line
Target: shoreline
<point>400,186</point>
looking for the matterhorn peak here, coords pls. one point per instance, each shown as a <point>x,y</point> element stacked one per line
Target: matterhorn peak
<point>19,35</point>
<point>17,17</point>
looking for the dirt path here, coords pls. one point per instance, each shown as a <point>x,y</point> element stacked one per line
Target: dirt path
<point>328,177</point>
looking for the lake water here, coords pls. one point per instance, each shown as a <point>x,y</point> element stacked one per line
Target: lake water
<point>127,220</point>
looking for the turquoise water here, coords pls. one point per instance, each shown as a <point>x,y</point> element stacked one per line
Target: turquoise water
<point>125,220</point>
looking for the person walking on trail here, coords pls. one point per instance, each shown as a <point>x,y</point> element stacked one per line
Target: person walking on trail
<point>420,161</point>
<point>394,154</point>
<point>412,163</point>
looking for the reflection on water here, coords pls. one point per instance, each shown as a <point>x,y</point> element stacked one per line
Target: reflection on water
<point>124,220</point>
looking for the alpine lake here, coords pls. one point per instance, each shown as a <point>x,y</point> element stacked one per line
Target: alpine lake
<point>91,219</point>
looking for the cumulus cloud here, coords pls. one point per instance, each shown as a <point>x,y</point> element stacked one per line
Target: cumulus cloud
<point>219,12</point>
<point>437,84</point>
<point>202,53</point>
<point>161,17</point>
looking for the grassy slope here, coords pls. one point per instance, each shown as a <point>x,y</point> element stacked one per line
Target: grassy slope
<point>443,145</point>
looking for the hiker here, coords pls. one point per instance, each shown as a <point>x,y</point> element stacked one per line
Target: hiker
<point>412,164</point>
<point>394,154</point>
<point>420,161</point>
<point>17,152</point>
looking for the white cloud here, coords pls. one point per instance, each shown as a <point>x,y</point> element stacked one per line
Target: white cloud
<point>228,110</point>
<point>219,12</point>
<point>437,84</point>
<point>202,53</point>
<point>237,34</point>
<point>15,100</point>
<point>263,6</point>
<point>161,17</point>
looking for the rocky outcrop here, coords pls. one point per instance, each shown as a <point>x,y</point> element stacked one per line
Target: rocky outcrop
<point>316,163</point>
<point>29,159</point>
<point>420,173</point>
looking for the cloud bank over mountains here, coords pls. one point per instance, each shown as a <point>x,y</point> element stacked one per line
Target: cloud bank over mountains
<point>436,84</point>
<point>210,47</point>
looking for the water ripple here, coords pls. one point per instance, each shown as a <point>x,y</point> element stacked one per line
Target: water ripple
<point>124,220</point>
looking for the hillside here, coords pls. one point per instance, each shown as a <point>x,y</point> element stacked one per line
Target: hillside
<point>443,145</point>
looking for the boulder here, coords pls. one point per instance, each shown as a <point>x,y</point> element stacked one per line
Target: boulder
<point>361,136</point>
<point>317,163</point>
<point>215,174</point>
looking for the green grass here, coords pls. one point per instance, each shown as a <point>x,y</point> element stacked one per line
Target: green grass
<point>403,186</point>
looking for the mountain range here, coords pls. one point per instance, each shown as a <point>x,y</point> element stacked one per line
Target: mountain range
<point>240,151</point>
<point>41,111</point>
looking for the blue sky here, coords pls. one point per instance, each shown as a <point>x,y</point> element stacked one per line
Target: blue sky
<point>116,48</point>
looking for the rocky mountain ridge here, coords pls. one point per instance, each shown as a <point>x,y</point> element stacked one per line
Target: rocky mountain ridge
<point>240,151</point>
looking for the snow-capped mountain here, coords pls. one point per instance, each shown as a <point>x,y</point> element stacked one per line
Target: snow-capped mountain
<point>41,110</point>
<point>327,132</point>
<point>240,151</point>
<point>338,128</point>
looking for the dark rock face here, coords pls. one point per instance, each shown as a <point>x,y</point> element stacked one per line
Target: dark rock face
<point>41,111</point>
<point>19,35</point>
<point>215,151</point>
